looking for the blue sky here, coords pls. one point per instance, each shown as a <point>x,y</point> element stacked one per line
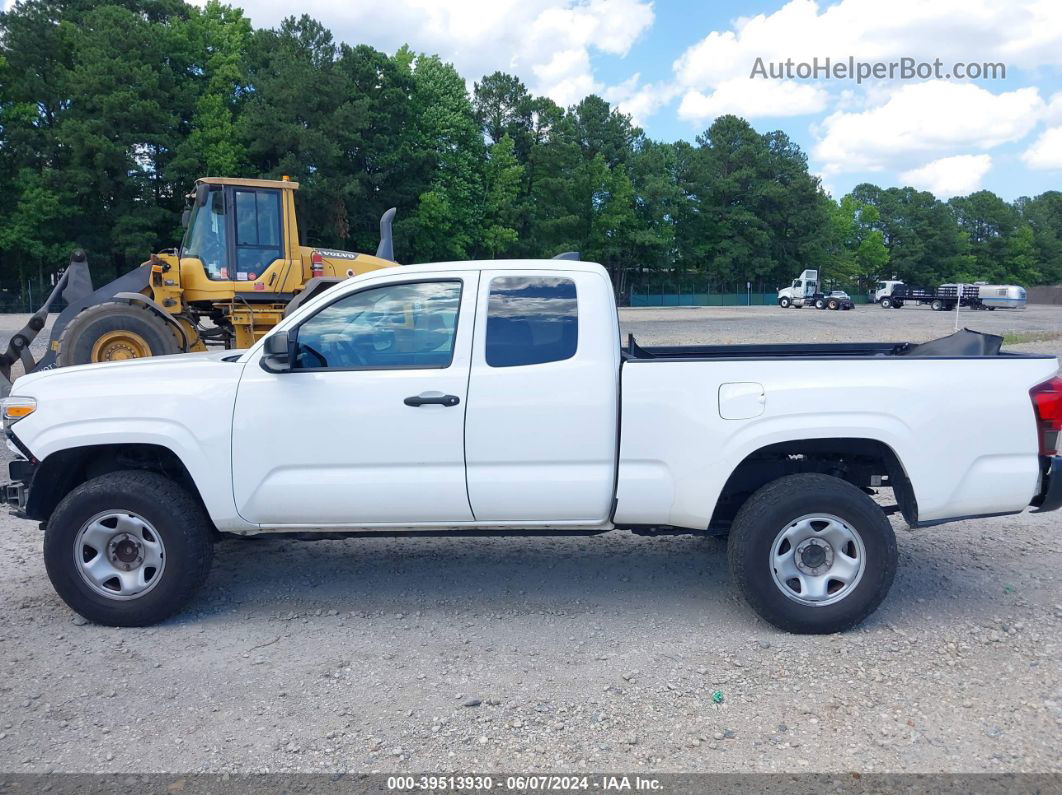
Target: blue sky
<point>677,64</point>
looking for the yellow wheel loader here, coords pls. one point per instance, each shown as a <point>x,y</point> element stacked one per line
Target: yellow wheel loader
<point>239,269</point>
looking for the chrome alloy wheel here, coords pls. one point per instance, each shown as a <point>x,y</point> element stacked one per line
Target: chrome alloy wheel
<point>817,559</point>
<point>119,555</point>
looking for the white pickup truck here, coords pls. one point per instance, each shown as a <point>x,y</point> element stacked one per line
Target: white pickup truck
<point>495,397</point>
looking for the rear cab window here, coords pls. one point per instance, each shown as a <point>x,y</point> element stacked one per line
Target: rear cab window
<point>531,320</point>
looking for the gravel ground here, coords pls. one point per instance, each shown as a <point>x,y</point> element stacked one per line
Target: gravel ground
<point>522,655</point>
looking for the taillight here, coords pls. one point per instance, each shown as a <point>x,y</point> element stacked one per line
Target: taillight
<point>316,264</point>
<point>1047,403</point>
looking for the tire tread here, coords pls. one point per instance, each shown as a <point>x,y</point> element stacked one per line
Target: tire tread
<point>173,500</point>
<point>755,513</point>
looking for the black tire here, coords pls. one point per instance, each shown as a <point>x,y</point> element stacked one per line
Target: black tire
<point>936,305</point>
<point>79,337</point>
<point>177,518</point>
<point>785,302</point>
<point>832,304</point>
<point>886,303</point>
<point>820,304</point>
<point>769,511</point>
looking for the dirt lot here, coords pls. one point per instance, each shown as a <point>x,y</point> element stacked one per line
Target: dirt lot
<point>597,653</point>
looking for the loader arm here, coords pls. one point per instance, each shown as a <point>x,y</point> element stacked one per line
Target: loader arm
<point>75,286</point>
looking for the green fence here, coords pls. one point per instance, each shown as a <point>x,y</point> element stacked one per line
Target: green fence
<point>702,299</point>
<point>712,299</point>
<point>644,287</point>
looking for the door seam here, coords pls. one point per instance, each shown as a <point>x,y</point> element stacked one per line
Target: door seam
<point>468,392</point>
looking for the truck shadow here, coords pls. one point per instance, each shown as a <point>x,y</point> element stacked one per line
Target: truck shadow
<point>374,574</point>
<point>615,572</point>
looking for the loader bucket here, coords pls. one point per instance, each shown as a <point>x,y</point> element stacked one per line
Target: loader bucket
<point>75,286</point>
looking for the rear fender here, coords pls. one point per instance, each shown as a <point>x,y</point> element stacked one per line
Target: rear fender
<point>156,307</point>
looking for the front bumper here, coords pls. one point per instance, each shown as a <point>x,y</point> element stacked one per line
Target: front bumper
<point>16,490</point>
<point>1050,496</point>
<point>16,493</point>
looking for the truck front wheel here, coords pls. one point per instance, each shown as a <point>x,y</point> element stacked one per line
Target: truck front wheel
<point>784,302</point>
<point>886,303</point>
<point>812,554</point>
<point>128,548</point>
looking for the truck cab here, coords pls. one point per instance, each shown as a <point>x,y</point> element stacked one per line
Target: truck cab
<point>884,290</point>
<point>801,292</point>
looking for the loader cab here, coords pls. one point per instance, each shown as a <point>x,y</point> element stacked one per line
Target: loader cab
<point>241,235</point>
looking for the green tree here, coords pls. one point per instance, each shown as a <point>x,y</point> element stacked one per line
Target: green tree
<point>1021,262</point>
<point>217,40</point>
<point>1044,214</point>
<point>503,178</point>
<point>860,257</point>
<point>614,222</point>
<point>503,106</point>
<point>446,224</point>
<point>988,222</point>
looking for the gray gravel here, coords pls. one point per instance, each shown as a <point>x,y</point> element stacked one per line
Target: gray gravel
<point>596,653</point>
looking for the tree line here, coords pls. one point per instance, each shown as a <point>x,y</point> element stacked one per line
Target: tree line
<point>109,112</point>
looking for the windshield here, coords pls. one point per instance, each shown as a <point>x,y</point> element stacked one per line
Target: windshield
<point>205,236</point>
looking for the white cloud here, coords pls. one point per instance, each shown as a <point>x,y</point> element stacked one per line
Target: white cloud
<point>1053,114</point>
<point>638,100</point>
<point>949,176</point>
<point>921,119</point>
<point>1046,151</point>
<point>1023,34</point>
<point>547,43</point>
<point>753,98</point>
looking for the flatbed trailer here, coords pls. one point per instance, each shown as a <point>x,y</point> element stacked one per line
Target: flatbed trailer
<point>942,298</point>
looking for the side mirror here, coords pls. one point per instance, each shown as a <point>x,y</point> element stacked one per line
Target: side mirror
<point>202,191</point>
<point>276,353</point>
<point>186,218</point>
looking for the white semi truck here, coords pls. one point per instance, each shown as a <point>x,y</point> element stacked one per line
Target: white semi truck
<point>802,292</point>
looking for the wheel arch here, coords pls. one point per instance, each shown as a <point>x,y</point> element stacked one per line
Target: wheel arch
<point>861,461</point>
<point>64,470</point>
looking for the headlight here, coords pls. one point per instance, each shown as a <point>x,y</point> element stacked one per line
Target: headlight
<point>15,408</point>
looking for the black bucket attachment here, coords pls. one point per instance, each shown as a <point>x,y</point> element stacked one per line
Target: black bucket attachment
<point>75,287</point>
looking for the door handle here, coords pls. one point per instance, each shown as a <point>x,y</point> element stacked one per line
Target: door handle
<point>428,399</point>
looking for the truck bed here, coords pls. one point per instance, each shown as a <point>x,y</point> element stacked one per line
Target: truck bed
<point>963,344</point>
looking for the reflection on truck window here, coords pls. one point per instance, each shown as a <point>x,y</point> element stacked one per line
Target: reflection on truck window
<point>205,238</point>
<point>531,320</point>
<point>257,232</point>
<point>395,326</point>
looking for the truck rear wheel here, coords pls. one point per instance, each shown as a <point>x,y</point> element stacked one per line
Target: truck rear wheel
<point>834,304</point>
<point>128,548</point>
<point>820,303</point>
<point>936,304</point>
<point>812,554</point>
<point>113,332</point>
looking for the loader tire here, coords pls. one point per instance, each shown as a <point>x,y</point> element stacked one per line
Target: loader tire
<point>113,332</point>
